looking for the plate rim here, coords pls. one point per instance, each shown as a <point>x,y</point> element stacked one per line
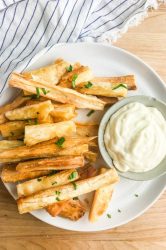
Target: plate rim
<point>109,46</point>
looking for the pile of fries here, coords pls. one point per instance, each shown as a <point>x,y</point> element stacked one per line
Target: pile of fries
<point>49,156</point>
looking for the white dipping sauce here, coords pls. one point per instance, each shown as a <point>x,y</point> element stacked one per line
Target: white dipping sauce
<point>135,138</point>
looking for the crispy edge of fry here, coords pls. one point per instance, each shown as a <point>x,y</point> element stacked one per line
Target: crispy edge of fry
<point>56,208</point>
<point>12,128</point>
<point>129,80</point>
<point>101,199</point>
<point>109,101</point>
<point>49,196</point>
<point>91,156</point>
<point>33,186</point>
<point>58,93</point>
<point>50,163</point>
<point>44,132</point>
<point>3,119</point>
<point>87,129</point>
<point>9,174</point>
<point>63,112</point>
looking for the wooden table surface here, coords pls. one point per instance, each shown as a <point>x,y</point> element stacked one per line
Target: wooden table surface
<point>148,41</point>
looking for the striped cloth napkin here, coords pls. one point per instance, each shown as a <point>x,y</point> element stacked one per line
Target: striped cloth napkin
<point>28,26</point>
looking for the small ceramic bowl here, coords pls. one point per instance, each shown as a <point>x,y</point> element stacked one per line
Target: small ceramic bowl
<point>148,101</point>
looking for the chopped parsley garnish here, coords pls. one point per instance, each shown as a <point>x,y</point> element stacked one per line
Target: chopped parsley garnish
<point>74,81</point>
<point>119,211</point>
<point>136,195</point>
<point>120,86</point>
<point>70,68</point>
<point>55,182</point>
<point>37,92</point>
<point>74,185</point>
<point>39,179</point>
<point>57,199</point>
<point>109,216</point>
<point>90,113</point>
<point>60,142</point>
<point>45,91</point>
<point>75,198</point>
<point>72,175</point>
<point>35,121</point>
<point>57,192</point>
<point>88,85</point>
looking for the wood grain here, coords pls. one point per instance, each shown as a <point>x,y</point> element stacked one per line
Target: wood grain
<point>148,41</point>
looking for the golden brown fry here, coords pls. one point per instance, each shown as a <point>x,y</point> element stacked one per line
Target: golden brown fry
<point>20,100</point>
<point>109,101</point>
<point>45,182</point>
<point>39,111</point>
<point>3,119</point>
<point>49,74</point>
<point>56,163</point>
<point>102,89</point>
<point>82,74</point>
<point>9,174</point>
<point>87,171</point>
<point>58,93</point>
<point>52,195</point>
<point>63,112</point>
<point>5,144</point>
<point>47,149</point>
<point>101,200</point>
<point>73,210</point>
<point>14,128</point>
<point>85,129</point>
<point>44,132</point>
<point>91,156</point>
<point>56,208</point>
<point>129,80</point>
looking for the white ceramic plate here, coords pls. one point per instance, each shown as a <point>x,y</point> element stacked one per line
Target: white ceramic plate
<point>107,61</point>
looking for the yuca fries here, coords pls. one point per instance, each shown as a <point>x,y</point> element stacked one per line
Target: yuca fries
<point>14,128</point>
<point>57,93</point>
<point>102,89</point>
<point>44,132</point>
<point>5,144</point>
<point>63,112</point>
<point>101,200</point>
<point>49,74</point>
<point>109,101</point>
<point>39,111</point>
<point>9,174</point>
<point>3,119</point>
<point>71,209</point>
<point>45,182</point>
<point>47,149</point>
<point>85,129</point>
<point>129,80</point>
<point>83,74</point>
<point>54,194</point>
<point>56,163</point>
<point>91,156</point>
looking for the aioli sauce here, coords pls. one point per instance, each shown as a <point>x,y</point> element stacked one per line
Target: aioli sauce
<point>135,138</point>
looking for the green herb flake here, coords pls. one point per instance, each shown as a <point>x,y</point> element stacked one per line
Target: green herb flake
<point>70,68</point>
<point>57,199</point>
<point>74,81</point>
<point>60,142</point>
<point>55,182</point>
<point>74,185</point>
<point>37,92</point>
<point>35,121</point>
<point>119,211</point>
<point>45,92</point>
<point>90,113</point>
<point>72,175</point>
<point>109,216</point>
<point>39,179</point>
<point>136,195</point>
<point>57,192</point>
<point>121,85</point>
<point>88,85</point>
<point>75,198</point>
